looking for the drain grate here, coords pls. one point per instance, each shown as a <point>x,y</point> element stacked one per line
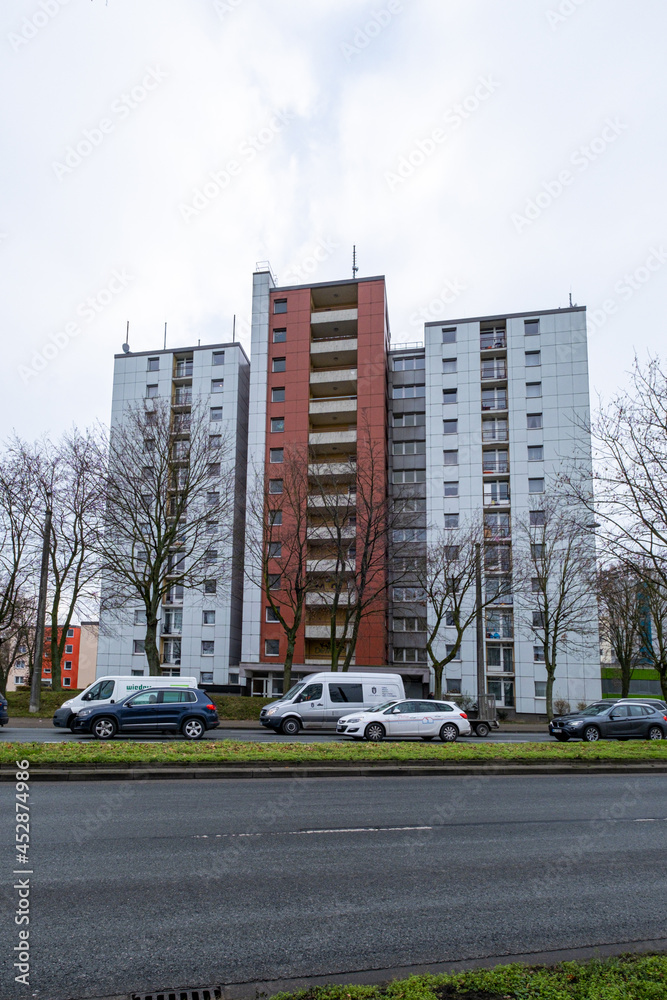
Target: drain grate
<point>201,993</point>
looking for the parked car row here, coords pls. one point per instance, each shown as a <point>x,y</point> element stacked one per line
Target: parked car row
<point>156,710</point>
<point>621,719</point>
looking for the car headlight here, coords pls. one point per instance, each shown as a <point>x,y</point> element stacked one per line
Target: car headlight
<point>270,711</point>
<point>346,721</point>
<point>580,722</point>
<point>84,713</point>
<point>66,704</point>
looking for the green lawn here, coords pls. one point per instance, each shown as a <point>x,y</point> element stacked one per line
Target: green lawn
<point>229,706</point>
<point>631,977</point>
<point>229,751</point>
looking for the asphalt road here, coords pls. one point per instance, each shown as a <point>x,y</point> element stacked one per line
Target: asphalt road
<point>53,735</point>
<point>175,884</point>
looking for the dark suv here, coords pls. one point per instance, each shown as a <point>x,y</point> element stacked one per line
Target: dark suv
<point>618,720</point>
<point>154,710</point>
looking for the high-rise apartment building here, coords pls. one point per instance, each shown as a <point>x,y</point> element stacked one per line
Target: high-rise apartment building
<point>200,631</point>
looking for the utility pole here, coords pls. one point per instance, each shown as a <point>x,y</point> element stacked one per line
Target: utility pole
<point>481,687</point>
<point>36,685</point>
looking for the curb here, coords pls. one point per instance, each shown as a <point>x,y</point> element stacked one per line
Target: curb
<point>143,772</point>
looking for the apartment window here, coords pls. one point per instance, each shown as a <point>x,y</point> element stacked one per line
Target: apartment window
<point>151,391</point>
<point>451,489</point>
<point>214,470</point>
<point>533,389</point>
<point>448,396</point>
<point>274,581</point>
<point>275,485</point>
<point>211,527</point>
<point>218,358</point>
<point>280,306</point>
<point>276,456</point>
<point>279,336</point>
<point>451,520</point>
<point>275,550</point>
<point>451,457</point>
<point>499,625</point>
<point>153,365</point>
<point>450,621</point>
<point>277,425</point>
<point>535,453</point>
<point>450,647</point>
<point>275,518</point>
<point>207,647</point>
<point>208,617</point>
<point>449,334</point>
<point>409,448</point>
<point>409,624</point>
<point>211,556</point>
<point>537,550</point>
<point>70,633</point>
<point>216,413</point>
<point>214,441</point>
<point>538,654</point>
<point>500,658</point>
<point>409,534</point>
<point>408,391</point>
<point>67,682</point>
<point>540,689</point>
<point>206,677</point>
<point>538,619</point>
<point>212,499</point>
<point>497,559</point>
<point>210,586</point>
<point>537,518</point>
<point>408,595</point>
<point>496,493</point>
<point>68,664</point>
<point>217,384</point>
<point>47,670</point>
<point>139,646</point>
<point>69,649</point>
<point>279,365</point>
<point>534,421</point>
<point>449,366</point>
<point>533,359</point>
<point>409,655</point>
<point>271,615</point>
<point>411,505</point>
<point>494,399</point>
<point>278,395</point>
<point>495,461</point>
<point>496,525</point>
<point>531,327</point>
<point>409,476</point>
<point>494,430</point>
<point>536,486</point>
<point>415,363</point>
<point>409,419</point>
<point>535,585</point>
<point>272,647</point>
<point>453,686</point>
<point>450,426</point>
<point>452,552</point>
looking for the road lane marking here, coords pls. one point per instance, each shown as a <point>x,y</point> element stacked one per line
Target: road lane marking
<point>304,833</point>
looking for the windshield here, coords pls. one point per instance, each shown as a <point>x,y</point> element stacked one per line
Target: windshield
<point>292,691</point>
<point>595,710</point>
<point>381,708</point>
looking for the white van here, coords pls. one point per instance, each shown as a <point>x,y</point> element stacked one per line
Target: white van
<point>109,690</point>
<point>319,701</point>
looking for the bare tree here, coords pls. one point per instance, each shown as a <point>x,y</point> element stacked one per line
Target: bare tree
<point>277,546</point>
<point>169,499</point>
<point>556,577</point>
<point>621,618</point>
<point>653,620</point>
<point>18,644</point>
<point>19,508</point>
<point>447,583</point>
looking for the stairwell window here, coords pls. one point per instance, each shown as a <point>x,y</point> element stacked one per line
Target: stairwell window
<point>449,334</point>
<point>153,364</point>
<point>276,455</point>
<point>536,485</point>
<point>151,391</point>
<point>216,413</point>
<point>531,327</point>
<point>448,396</point>
<point>217,384</point>
<point>272,647</point>
<point>451,489</point>
<point>533,359</point>
<point>218,358</point>
<point>451,520</point>
<point>275,486</point>
<point>278,394</point>
<point>534,421</point>
<point>450,426</point>
<point>535,453</point>
<point>451,457</point>
<point>533,389</point>
<point>279,336</point>
<point>449,366</point>
<point>277,425</point>
<point>408,391</point>
<point>279,365</point>
<point>207,647</point>
<point>409,476</point>
<point>280,305</point>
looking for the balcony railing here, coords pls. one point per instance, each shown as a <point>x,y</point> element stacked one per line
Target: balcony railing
<point>183,397</point>
<point>182,369</point>
<point>492,341</point>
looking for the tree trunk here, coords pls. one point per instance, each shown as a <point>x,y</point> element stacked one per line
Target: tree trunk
<point>150,647</point>
<point>438,671</point>
<point>287,666</point>
<point>550,693</point>
<point>626,672</point>
<point>662,671</point>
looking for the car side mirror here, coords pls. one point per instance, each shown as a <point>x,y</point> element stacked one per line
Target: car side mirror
<point>396,711</point>
<point>112,701</point>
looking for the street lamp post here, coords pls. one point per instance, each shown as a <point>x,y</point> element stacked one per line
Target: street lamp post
<point>36,685</point>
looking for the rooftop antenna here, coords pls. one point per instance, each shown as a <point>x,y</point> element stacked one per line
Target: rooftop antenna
<point>354,261</point>
<point>126,345</point>
<point>234,329</point>
<point>165,335</point>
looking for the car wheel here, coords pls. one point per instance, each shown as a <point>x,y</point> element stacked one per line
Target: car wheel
<point>562,737</point>
<point>375,732</point>
<point>481,729</point>
<point>193,729</point>
<point>591,734</point>
<point>290,727</point>
<point>655,733</point>
<point>104,728</point>
<point>449,733</point>
<point>427,739</point>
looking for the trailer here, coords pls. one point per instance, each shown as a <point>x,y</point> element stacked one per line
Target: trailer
<point>483,716</point>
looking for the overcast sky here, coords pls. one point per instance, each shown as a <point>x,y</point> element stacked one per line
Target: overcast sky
<point>486,157</point>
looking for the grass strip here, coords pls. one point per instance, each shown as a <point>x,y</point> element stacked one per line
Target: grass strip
<point>629,977</point>
<point>174,751</point>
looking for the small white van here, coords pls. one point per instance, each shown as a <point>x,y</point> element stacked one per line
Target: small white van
<point>109,690</point>
<point>319,701</point>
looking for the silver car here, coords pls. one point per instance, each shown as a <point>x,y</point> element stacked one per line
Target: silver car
<point>407,720</point>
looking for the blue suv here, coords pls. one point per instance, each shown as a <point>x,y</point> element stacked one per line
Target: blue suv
<point>154,710</point>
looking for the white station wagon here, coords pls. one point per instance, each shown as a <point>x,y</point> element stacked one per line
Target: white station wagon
<point>407,719</point>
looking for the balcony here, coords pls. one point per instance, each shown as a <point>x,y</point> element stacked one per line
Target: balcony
<point>333,408</point>
<point>182,397</point>
<point>333,382</point>
<point>498,468</point>
<point>327,323</point>
<point>328,472</point>
<point>336,353</point>
<point>329,566</point>
<point>324,661</point>
<point>497,498</point>
<point>324,631</point>
<point>324,442</point>
<point>330,533</point>
<point>183,369</point>
<point>494,370</point>
<point>332,500</point>
<point>493,340</point>
<point>325,598</point>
